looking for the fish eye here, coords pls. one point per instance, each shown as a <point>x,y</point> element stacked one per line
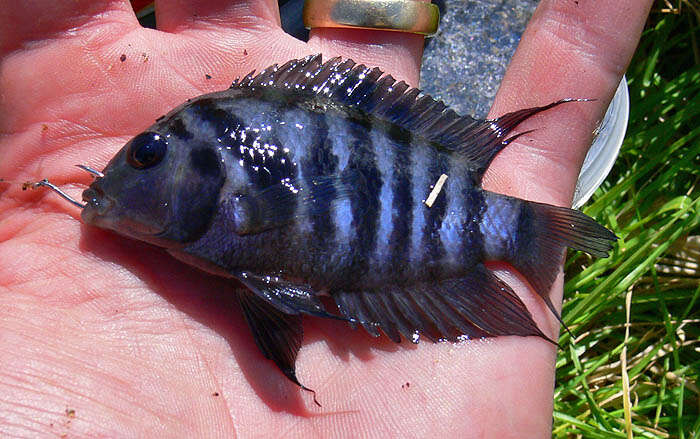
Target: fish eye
<point>146,150</point>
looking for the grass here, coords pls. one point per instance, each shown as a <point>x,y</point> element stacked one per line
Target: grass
<point>632,369</point>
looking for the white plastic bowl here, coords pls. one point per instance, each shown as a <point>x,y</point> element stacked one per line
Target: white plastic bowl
<point>605,148</point>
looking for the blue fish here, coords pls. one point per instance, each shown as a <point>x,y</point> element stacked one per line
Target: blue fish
<point>313,178</point>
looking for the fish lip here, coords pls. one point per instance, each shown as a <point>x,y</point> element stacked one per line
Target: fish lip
<point>96,203</point>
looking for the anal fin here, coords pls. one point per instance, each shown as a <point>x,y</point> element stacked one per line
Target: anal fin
<point>476,305</point>
<point>277,335</point>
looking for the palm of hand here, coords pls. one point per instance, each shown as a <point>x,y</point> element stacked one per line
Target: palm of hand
<point>141,345</point>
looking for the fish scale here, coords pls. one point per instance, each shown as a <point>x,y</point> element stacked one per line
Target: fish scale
<point>311,179</point>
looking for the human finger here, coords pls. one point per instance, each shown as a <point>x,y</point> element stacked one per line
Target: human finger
<point>220,15</point>
<point>396,52</point>
<point>570,49</point>
<point>36,20</point>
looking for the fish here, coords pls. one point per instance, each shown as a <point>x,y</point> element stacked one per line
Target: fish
<point>330,178</point>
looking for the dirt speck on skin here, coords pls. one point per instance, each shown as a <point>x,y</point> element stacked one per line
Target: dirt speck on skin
<point>208,76</point>
<point>122,58</point>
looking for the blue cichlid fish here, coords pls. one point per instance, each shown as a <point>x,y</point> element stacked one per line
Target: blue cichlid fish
<point>331,178</point>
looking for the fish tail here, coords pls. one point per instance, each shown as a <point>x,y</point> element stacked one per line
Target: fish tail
<point>534,236</point>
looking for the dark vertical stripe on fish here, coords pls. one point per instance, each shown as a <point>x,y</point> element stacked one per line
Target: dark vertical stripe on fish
<point>365,205</point>
<point>178,128</point>
<point>220,120</point>
<point>474,205</point>
<point>402,201</point>
<point>318,160</point>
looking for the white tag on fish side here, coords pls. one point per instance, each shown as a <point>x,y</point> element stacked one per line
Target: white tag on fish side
<point>436,190</point>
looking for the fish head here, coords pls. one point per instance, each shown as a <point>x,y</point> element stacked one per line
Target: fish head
<point>159,188</point>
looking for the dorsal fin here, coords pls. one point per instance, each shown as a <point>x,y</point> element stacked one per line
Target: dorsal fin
<point>369,90</point>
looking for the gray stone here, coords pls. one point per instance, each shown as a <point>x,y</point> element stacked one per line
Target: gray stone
<point>464,63</point>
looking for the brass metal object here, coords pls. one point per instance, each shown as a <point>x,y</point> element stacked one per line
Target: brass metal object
<point>393,15</point>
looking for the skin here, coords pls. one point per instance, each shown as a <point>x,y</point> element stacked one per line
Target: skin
<point>101,336</point>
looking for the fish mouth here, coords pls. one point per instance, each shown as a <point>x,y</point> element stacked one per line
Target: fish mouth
<point>104,212</point>
<point>96,203</point>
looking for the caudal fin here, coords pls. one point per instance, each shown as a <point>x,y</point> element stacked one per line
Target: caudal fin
<point>543,233</point>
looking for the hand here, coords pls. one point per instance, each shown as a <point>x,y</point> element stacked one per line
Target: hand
<point>103,336</point>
